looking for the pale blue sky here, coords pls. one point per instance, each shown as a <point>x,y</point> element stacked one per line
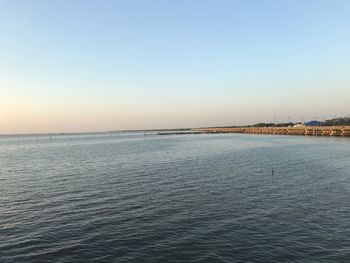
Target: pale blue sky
<point>106,65</point>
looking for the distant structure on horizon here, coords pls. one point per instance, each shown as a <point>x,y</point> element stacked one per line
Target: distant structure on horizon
<point>313,123</point>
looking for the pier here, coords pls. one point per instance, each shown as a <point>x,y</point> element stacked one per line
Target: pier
<point>302,130</point>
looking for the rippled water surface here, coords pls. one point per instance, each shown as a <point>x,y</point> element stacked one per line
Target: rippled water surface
<point>189,198</point>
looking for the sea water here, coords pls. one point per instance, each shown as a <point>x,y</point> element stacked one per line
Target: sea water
<point>127,197</point>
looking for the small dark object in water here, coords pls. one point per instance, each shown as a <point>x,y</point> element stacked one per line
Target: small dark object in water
<point>273,171</point>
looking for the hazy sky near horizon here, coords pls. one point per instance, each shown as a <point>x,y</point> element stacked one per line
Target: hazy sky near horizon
<point>107,65</point>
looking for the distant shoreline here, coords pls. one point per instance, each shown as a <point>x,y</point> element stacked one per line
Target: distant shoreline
<point>340,131</point>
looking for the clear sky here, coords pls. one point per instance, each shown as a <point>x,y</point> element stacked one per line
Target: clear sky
<point>70,66</point>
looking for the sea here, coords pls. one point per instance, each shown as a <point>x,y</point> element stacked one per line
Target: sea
<point>136,197</point>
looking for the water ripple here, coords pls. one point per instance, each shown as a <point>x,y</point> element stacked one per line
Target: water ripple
<point>203,198</point>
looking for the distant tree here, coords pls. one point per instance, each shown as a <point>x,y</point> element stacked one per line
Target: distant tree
<point>263,124</point>
<point>337,122</point>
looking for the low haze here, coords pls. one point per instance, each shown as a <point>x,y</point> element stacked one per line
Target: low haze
<point>75,66</point>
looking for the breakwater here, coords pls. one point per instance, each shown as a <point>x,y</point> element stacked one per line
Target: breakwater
<point>302,130</point>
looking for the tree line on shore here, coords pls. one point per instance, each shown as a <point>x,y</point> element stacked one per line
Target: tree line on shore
<point>331,122</point>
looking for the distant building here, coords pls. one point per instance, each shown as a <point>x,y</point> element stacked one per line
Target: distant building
<point>313,123</point>
<point>298,125</point>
